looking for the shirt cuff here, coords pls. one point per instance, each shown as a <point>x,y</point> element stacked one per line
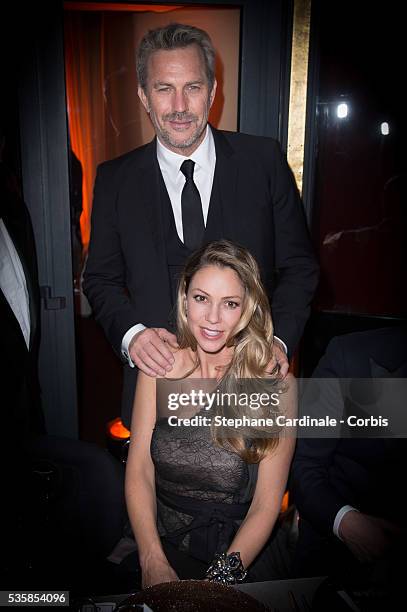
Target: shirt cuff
<point>341,513</point>
<point>127,339</point>
<point>283,344</point>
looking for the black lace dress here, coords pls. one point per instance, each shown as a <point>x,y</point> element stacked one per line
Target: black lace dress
<point>203,490</point>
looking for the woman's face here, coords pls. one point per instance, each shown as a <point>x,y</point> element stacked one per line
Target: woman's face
<point>214,306</point>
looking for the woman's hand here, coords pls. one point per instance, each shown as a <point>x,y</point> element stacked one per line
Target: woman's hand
<point>156,572</point>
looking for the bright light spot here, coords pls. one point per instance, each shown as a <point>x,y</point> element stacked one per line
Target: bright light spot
<point>342,110</point>
<point>384,128</point>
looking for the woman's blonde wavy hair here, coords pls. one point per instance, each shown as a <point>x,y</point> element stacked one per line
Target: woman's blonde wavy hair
<point>252,337</point>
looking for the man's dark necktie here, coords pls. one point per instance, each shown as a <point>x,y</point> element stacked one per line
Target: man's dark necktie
<point>192,216</point>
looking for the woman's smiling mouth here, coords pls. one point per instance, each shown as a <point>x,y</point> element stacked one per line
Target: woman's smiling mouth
<point>211,334</point>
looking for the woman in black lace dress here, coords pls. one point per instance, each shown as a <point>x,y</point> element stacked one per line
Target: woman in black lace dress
<point>193,488</point>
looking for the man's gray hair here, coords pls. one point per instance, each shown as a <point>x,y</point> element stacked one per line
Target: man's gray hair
<point>175,36</point>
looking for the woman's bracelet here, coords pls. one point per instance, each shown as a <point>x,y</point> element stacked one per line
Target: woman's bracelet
<point>226,569</point>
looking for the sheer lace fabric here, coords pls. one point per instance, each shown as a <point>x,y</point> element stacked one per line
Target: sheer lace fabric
<point>188,463</point>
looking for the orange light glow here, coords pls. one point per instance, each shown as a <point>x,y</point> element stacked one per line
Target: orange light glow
<point>120,7</point>
<point>117,430</point>
<point>80,132</point>
<point>285,502</point>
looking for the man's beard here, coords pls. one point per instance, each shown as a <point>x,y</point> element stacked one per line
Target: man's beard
<point>167,138</point>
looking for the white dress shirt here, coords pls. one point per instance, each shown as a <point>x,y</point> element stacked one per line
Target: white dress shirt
<point>338,518</point>
<point>170,163</point>
<point>13,283</point>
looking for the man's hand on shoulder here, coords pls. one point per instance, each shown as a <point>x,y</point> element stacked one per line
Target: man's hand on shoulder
<point>149,350</point>
<point>279,358</point>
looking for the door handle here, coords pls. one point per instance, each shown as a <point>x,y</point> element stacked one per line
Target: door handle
<point>51,302</point>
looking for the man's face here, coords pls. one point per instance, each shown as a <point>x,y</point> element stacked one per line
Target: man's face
<point>177,98</point>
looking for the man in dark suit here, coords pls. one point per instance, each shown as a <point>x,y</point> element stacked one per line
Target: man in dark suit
<point>21,412</point>
<point>154,206</point>
<point>347,490</point>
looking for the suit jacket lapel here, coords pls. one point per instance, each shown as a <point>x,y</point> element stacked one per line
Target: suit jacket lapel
<point>148,190</point>
<point>146,183</point>
<point>241,202</point>
<point>225,179</point>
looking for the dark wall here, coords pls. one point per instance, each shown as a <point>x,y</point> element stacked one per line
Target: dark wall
<point>359,222</point>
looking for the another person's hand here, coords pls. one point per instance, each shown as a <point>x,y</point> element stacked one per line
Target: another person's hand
<point>279,358</point>
<point>368,538</point>
<point>149,351</point>
<point>156,572</point>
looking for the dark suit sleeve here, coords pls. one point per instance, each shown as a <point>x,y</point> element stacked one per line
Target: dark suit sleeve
<point>105,274</point>
<point>316,499</point>
<point>312,480</point>
<point>295,263</point>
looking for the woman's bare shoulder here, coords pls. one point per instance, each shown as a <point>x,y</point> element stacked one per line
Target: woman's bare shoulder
<point>184,361</point>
